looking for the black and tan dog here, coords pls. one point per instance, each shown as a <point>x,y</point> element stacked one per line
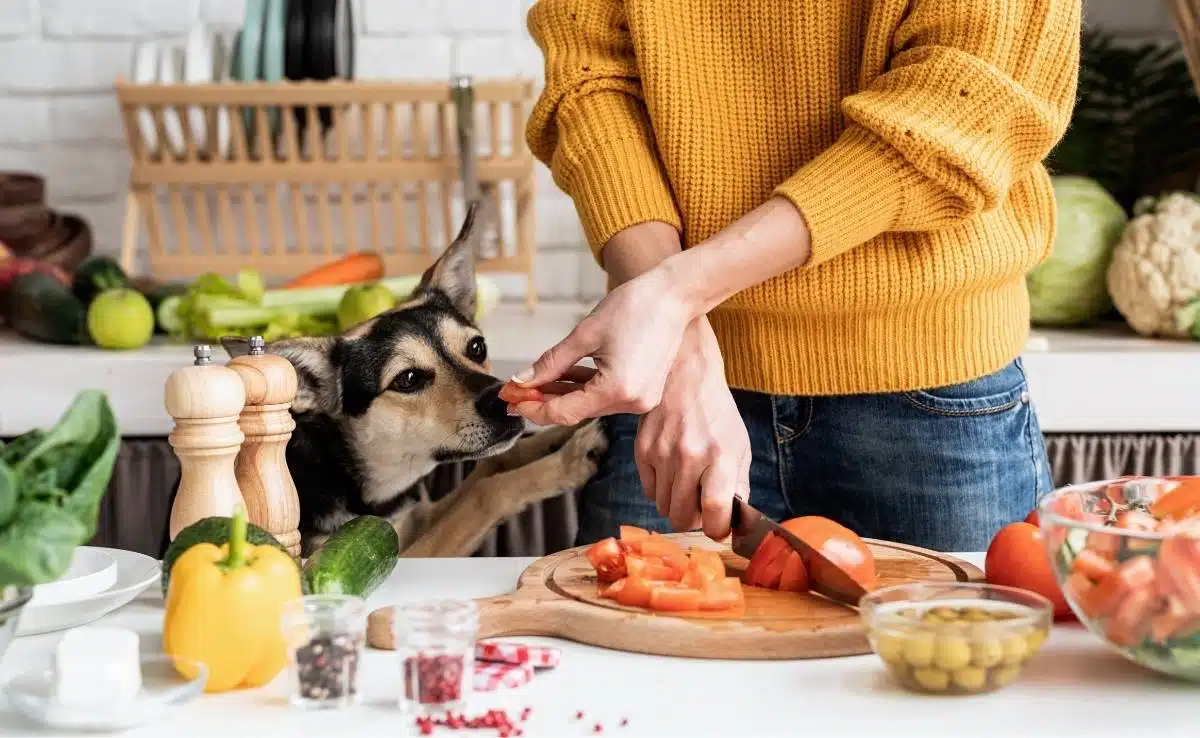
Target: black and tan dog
<point>380,406</point>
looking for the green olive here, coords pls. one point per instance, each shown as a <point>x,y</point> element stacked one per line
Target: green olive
<point>891,647</point>
<point>1035,639</point>
<point>987,653</point>
<point>1015,649</point>
<point>976,615</point>
<point>919,649</point>
<point>951,652</point>
<point>931,617</point>
<point>971,679</point>
<point>935,680</point>
<point>1005,675</point>
<point>946,613</point>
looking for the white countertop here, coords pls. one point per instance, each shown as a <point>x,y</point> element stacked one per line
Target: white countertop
<point>1075,686</point>
<point>1100,380</point>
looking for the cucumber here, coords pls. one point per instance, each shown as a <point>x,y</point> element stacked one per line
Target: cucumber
<point>44,309</point>
<point>355,560</point>
<point>214,530</point>
<point>96,275</point>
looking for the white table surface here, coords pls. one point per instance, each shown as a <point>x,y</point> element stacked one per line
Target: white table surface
<point>1074,687</point>
<point>1094,381</point>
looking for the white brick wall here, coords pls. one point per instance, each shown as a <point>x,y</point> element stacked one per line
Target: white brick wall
<point>57,116</point>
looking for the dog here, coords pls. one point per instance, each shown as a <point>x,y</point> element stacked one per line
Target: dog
<point>384,403</point>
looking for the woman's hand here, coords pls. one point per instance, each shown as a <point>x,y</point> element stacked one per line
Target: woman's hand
<point>692,450</point>
<point>633,336</point>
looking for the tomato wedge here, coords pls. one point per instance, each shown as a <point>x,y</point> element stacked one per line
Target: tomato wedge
<point>839,545</point>
<point>674,597</point>
<point>707,565</point>
<point>723,595</point>
<point>607,558</point>
<point>664,548</point>
<point>1179,503</point>
<point>637,591</point>
<point>794,577</point>
<point>648,567</point>
<point>632,536</point>
<point>613,589</point>
<point>766,565</point>
<point>515,394</point>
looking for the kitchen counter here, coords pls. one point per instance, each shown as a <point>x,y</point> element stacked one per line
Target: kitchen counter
<point>1074,687</point>
<point>1095,381</point>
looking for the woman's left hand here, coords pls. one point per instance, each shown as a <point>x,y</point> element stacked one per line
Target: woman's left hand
<point>632,335</point>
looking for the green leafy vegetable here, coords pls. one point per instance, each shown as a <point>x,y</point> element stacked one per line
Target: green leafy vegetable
<point>51,486</point>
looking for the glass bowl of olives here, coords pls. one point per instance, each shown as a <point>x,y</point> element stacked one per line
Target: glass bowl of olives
<point>955,638</point>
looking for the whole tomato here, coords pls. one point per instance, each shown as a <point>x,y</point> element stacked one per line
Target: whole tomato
<point>1017,558</point>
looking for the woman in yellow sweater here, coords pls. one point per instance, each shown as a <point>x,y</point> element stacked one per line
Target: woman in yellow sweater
<point>828,206</point>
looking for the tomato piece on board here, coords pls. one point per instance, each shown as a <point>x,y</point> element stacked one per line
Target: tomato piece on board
<point>669,551</point>
<point>613,589</point>
<point>607,558</point>
<point>762,563</point>
<point>514,394</point>
<point>647,567</point>
<point>675,598</point>
<point>839,545</point>
<point>636,592</point>
<point>725,594</point>
<point>1181,502</point>
<point>1017,558</point>
<point>794,577</point>
<point>707,564</point>
<point>632,536</point>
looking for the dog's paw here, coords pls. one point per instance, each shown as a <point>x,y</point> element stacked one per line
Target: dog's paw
<point>582,453</point>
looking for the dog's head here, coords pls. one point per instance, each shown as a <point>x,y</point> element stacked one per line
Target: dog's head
<point>412,384</point>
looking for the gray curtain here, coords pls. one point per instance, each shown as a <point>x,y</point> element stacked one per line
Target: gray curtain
<point>138,504</point>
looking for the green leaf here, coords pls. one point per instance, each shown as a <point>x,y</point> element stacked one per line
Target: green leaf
<point>8,495</point>
<point>38,544</point>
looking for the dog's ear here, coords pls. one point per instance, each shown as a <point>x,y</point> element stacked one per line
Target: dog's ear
<point>317,371</point>
<point>453,274</point>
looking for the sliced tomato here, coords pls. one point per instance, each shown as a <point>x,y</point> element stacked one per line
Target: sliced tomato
<point>648,567</point>
<point>1130,623</point>
<point>613,590</point>
<point>707,564</point>
<point>669,551</point>
<point>794,577</point>
<point>839,545</point>
<point>1178,571</point>
<point>762,568</point>
<point>632,536</point>
<point>1174,621</point>
<point>1134,574</point>
<point>725,594</point>
<point>675,598</point>
<point>1179,503</point>
<point>1136,520</point>
<point>1107,545</point>
<point>514,394</point>
<point>1092,565</point>
<point>636,592</point>
<point>607,558</point>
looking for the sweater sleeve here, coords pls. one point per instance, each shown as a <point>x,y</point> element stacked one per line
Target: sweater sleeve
<point>590,124</point>
<point>975,95</point>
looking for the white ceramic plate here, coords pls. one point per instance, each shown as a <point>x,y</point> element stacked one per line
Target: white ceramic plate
<point>206,60</point>
<point>135,572</point>
<point>145,72</point>
<point>92,570</point>
<point>170,72</point>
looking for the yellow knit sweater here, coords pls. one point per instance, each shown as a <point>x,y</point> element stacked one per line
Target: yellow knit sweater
<point>910,134</point>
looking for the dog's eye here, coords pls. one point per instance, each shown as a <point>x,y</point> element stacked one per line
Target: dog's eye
<point>409,380</point>
<point>477,350</point>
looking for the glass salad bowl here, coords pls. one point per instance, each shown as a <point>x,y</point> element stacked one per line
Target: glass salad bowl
<point>1126,553</point>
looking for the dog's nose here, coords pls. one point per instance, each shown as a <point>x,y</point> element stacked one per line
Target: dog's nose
<point>489,404</point>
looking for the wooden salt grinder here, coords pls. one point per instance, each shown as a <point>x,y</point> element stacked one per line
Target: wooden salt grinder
<point>262,471</point>
<point>205,400</point>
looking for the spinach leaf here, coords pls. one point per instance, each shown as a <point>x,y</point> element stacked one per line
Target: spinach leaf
<point>8,495</point>
<point>38,544</point>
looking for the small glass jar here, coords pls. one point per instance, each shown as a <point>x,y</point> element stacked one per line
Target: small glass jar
<point>435,642</point>
<point>325,636</point>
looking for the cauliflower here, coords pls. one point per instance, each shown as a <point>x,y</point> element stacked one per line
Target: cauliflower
<point>1154,278</point>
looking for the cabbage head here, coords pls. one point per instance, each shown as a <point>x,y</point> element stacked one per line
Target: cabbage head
<point>1069,287</point>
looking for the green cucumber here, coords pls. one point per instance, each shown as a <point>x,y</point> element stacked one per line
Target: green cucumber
<point>214,530</point>
<point>355,560</point>
<point>44,309</point>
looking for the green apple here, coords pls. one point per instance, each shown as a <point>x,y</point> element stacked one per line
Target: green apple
<point>120,319</point>
<point>363,302</point>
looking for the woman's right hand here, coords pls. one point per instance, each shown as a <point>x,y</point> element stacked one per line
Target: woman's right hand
<point>692,450</point>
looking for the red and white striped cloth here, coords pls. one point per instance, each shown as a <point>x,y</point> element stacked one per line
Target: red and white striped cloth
<point>538,657</point>
<point>493,676</point>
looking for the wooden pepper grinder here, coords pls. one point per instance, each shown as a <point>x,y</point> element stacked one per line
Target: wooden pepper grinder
<point>262,471</point>
<point>205,400</point>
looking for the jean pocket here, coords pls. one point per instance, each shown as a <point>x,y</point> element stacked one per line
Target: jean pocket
<point>995,393</point>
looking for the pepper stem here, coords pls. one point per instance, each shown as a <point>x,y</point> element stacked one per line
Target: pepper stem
<point>237,539</point>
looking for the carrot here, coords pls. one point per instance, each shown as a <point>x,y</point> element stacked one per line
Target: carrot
<point>363,266</point>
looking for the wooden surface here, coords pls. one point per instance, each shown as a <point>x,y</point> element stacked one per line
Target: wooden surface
<point>205,402</point>
<point>263,477</point>
<point>557,597</point>
<point>382,176</point>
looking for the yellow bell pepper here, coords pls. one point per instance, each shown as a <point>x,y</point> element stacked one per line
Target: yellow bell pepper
<point>223,610</point>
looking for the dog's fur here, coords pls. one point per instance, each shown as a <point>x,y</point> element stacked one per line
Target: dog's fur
<point>380,406</point>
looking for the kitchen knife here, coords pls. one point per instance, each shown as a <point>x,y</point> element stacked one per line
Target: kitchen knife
<point>750,527</point>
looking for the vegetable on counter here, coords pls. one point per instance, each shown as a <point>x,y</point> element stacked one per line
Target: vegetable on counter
<point>120,319</point>
<point>51,485</point>
<point>776,566</point>
<point>42,307</point>
<point>214,530</point>
<point>1016,557</point>
<point>224,608</point>
<point>98,274</point>
<point>355,560</point>
<point>364,266</point>
<point>363,302</point>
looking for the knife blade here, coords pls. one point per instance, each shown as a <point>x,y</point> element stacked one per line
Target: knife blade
<point>750,527</point>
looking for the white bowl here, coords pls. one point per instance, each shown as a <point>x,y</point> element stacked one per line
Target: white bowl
<point>135,572</point>
<point>92,570</point>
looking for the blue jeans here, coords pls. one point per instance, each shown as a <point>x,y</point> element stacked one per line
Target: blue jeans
<point>942,468</point>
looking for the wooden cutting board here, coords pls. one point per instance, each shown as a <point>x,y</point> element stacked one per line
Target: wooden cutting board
<point>557,597</point>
